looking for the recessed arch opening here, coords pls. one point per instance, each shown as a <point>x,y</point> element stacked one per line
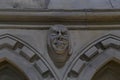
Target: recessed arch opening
<point>110,71</point>
<point>9,71</point>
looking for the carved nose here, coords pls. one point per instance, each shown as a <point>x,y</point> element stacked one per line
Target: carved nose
<point>59,34</point>
<point>60,38</point>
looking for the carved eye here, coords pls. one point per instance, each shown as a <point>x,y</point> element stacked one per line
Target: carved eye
<point>64,33</point>
<point>54,33</point>
<point>57,32</point>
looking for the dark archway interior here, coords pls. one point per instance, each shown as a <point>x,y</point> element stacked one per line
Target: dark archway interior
<point>10,72</point>
<point>110,71</point>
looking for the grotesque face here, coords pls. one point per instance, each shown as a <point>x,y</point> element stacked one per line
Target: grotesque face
<point>58,44</point>
<point>59,39</point>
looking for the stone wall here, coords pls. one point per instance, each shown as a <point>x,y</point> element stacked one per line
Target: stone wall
<point>81,42</point>
<point>59,4</point>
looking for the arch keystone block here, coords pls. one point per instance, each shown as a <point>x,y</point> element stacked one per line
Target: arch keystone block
<point>110,41</point>
<point>78,66</point>
<point>27,53</point>
<point>41,67</point>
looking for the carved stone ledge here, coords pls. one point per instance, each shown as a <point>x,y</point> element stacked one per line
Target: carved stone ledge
<point>62,17</point>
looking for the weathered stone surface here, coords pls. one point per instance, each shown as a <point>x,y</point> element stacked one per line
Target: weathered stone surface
<point>115,4</point>
<point>94,33</point>
<point>80,4</point>
<point>23,4</point>
<point>59,4</point>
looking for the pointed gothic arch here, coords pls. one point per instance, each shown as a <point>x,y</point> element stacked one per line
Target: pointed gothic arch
<point>87,62</point>
<point>28,59</point>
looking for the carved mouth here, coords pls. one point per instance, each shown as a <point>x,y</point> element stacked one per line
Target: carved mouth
<point>60,46</point>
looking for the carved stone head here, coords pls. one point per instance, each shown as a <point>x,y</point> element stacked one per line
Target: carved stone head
<point>58,44</point>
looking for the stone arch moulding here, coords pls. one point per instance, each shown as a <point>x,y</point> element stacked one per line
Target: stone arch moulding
<point>93,57</point>
<point>26,58</point>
